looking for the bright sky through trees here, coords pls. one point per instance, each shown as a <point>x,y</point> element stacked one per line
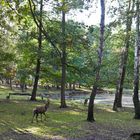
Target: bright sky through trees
<point>92,16</point>
<point>88,17</point>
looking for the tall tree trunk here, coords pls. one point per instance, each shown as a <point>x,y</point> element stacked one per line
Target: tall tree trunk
<point>10,80</point>
<point>136,65</point>
<point>73,86</point>
<point>90,116</point>
<point>70,86</point>
<point>63,61</point>
<point>33,97</point>
<point>122,70</point>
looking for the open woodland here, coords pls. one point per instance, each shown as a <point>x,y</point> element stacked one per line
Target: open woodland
<point>63,77</point>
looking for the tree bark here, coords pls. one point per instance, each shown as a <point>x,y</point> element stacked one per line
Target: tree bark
<point>120,83</point>
<point>34,91</point>
<point>70,86</point>
<point>90,116</point>
<point>63,61</point>
<point>136,65</point>
<point>10,81</point>
<point>73,86</point>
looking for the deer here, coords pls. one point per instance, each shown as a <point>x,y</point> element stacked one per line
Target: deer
<point>86,101</point>
<point>40,110</point>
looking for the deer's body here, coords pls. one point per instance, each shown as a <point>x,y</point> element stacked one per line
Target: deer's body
<point>40,110</point>
<point>86,101</point>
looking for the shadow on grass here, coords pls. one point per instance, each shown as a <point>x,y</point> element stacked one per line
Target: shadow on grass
<point>19,135</point>
<point>16,116</point>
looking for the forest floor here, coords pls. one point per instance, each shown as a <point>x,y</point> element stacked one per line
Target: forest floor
<point>64,124</point>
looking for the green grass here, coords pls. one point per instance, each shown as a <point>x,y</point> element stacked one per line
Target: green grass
<point>17,115</point>
<point>4,91</point>
<point>69,122</point>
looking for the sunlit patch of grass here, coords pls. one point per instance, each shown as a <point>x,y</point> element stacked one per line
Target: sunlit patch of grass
<point>116,119</point>
<point>74,113</point>
<point>4,88</point>
<point>33,129</point>
<point>4,92</point>
<point>60,122</point>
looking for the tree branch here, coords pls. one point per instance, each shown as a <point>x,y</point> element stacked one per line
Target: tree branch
<point>43,29</point>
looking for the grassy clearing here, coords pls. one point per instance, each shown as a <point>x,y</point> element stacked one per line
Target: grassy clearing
<point>65,123</point>
<point>17,115</point>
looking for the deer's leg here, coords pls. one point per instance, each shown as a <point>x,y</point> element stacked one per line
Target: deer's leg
<point>33,117</point>
<point>37,117</point>
<point>41,116</point>
<point>45,115</point>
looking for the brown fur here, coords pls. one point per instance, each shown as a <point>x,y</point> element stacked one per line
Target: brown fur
<point>40,110</point>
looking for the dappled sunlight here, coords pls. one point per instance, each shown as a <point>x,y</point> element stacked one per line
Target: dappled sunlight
<point>60,123</point>
<point>105,108</point>
<point>4,87</point>
<point>108,110</point>
<point>2,124</point>
<point>46,131</point>
<point>33,129</point>
<point>16,101</point>
<point>73,113</point>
